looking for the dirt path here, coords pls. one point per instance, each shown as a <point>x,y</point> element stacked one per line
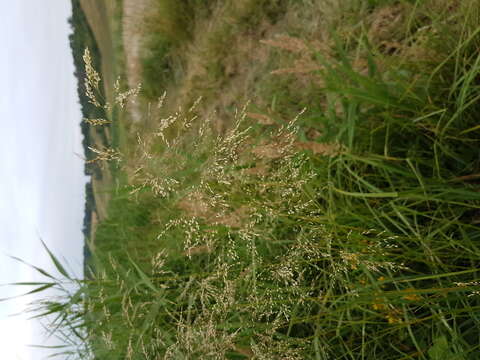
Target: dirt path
<point>102,185</point>
<point>93,229</point>
<point>134,13</point>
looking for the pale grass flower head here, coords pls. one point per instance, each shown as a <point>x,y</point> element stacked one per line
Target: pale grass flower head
<point>92,78</point>
<point>104,155</point>
<point>97,122</point>
<point>121,98</point>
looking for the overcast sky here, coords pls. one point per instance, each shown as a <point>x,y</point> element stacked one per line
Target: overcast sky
<point>41,173</point>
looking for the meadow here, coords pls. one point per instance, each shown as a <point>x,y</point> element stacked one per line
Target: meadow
<point>303,184</point>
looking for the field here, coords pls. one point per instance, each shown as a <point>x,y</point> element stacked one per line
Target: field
<point>297,179</point>
<point>102,17</point>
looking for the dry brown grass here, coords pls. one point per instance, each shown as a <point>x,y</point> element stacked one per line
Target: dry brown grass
<point>198,205</point>
<point>224,62</point>
<point>388,23</point>
<point>241,66</point>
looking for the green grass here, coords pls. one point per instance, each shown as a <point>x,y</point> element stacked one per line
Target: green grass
<point>369,251</point>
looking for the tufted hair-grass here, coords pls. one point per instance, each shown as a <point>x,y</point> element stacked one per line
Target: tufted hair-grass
<point>365,252</point>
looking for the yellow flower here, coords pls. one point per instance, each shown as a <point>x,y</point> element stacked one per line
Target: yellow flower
<point>412,297</point>
<point>393,319</point>
<point>378,306</point>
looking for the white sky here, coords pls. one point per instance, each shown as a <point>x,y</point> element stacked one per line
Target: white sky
<point>41,177</point>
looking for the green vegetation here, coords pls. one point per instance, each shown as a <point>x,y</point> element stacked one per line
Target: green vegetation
<point>348,230</point>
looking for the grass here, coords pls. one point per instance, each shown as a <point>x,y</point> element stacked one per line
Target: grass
<point>349,231</point>
<point>168,26</point>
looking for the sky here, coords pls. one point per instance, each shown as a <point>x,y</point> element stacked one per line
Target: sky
<point>41,167</point>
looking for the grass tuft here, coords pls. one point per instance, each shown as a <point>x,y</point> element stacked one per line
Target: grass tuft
<point>348,230</point>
